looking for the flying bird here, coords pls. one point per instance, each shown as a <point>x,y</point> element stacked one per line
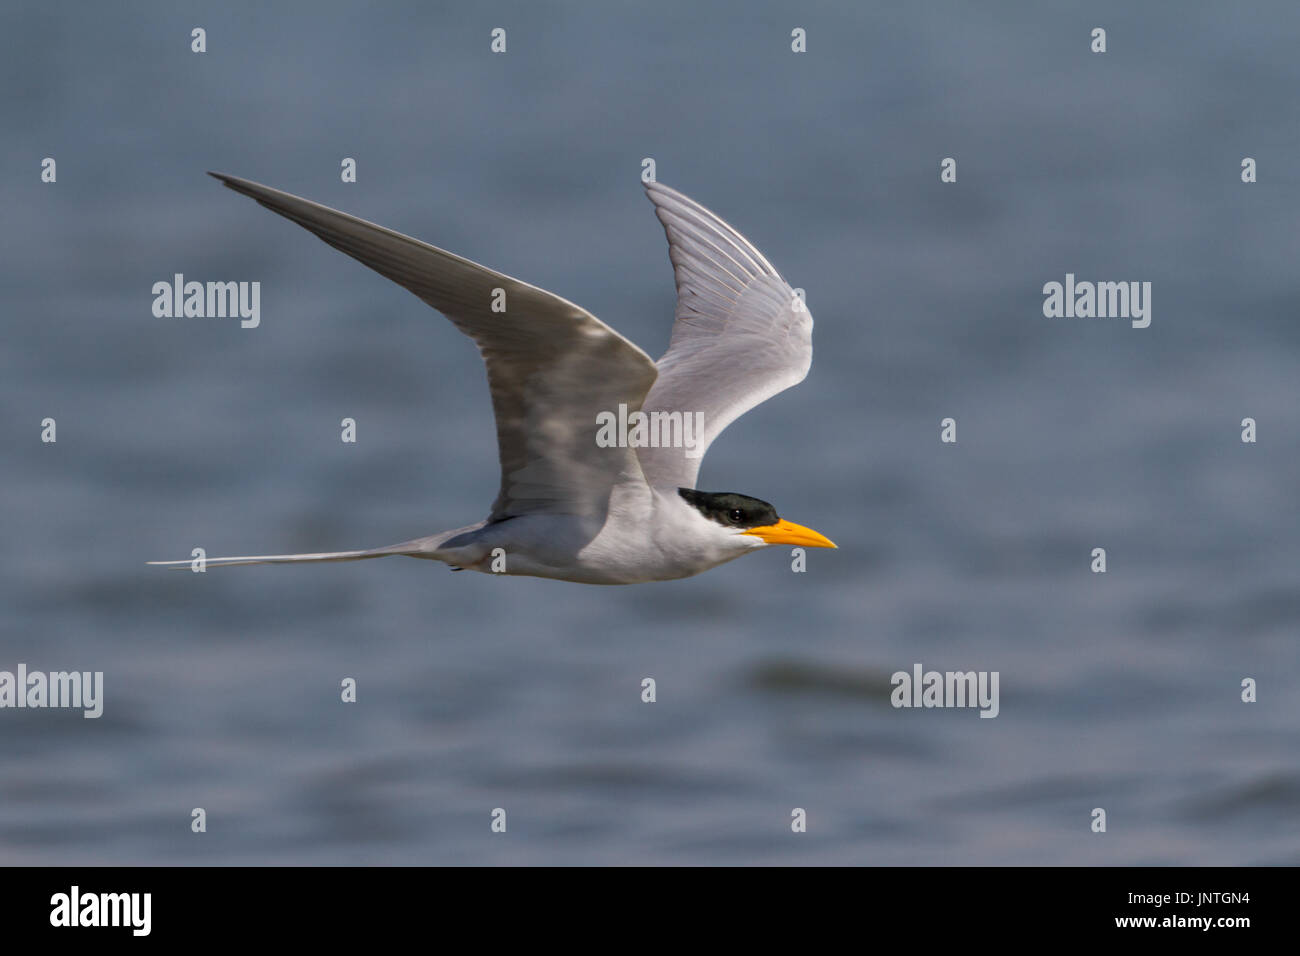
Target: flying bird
<point>580,499</point>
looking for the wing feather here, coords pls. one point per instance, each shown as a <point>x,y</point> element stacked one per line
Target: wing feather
<point>552,366</point>
<point>740,334</point>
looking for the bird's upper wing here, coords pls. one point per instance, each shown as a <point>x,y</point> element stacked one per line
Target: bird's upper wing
<point>552,366</point>
<point>740,335</point>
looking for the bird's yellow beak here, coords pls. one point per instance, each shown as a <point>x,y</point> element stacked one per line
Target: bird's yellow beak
<point>787,532</point>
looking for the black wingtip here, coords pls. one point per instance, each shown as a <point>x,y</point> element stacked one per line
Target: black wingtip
<point>230,182</point>
<point>242,186</point>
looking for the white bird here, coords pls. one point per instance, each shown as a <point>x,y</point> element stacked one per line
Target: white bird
<point>581,500</point>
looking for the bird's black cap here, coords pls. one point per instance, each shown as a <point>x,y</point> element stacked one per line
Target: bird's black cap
<point>731,509</point>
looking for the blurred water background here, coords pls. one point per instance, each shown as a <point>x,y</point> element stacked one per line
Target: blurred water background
<point>1118,690</point>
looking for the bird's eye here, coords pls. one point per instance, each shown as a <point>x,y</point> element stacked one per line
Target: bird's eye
<point>736,515</point>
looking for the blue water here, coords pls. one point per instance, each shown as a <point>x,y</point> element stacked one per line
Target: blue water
<point>1118,690</point>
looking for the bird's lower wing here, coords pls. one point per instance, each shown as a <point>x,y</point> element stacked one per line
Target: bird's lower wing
<point>553,367</point>
<point>740,336</point>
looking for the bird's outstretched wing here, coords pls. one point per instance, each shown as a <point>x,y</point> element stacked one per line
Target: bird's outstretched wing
<point>552,366</point>
<point>740,335</point>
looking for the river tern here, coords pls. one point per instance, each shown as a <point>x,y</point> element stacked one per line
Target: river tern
<point>581,499</point>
